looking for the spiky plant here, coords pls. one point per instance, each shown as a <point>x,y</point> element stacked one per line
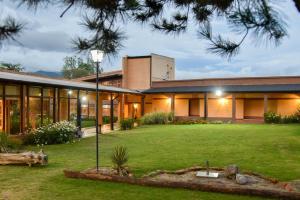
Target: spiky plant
<point>119,158</point>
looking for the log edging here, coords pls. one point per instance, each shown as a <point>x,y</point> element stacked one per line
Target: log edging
<point>191,186</point>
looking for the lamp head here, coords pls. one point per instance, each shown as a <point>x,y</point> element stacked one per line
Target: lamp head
<point>219,93</point>
<point>97,55</point>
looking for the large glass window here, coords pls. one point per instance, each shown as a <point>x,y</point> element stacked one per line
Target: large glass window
<point>48,101</point>
<point>35,104</point>
<point>12,109</point>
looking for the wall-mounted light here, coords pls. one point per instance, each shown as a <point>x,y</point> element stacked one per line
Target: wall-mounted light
<point>135,105</point>
<point>70,92</point>
<point>219,93</point>
<point>84,98</point>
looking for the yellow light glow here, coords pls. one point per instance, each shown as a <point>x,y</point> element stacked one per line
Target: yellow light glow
<point>223,101</point>
<point>135,106</point>
<point>169,100</point>
<point>84,98</point>
<point>70,92</point>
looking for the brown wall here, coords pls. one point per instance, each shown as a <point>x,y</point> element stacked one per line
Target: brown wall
<point>254,108</point>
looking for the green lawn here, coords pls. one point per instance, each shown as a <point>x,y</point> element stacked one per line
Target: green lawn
<point>273,150</point>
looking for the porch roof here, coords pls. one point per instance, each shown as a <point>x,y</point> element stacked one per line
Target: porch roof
<point>226,88</point>
<point>12,77</point>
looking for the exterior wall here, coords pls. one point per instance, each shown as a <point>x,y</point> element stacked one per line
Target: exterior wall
<point>194,109</point>
<point>161,105</point>
<point>136,73</point>
<point>163,68</point>
<point>284,106</point>
<point>220,108</point>
<point>254,108</point>
<point>239,109</point>
<point>181,107</point>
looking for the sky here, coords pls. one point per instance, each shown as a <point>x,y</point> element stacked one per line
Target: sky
<point>46,41</point>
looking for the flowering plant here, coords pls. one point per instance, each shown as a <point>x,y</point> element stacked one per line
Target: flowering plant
<point>55,133</point>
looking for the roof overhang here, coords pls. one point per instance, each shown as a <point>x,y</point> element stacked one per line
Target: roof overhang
<point>51,82</point>
<point>285,88</point>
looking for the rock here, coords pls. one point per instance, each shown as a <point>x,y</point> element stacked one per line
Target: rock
<point>231,171</point>
<point>241,179</point>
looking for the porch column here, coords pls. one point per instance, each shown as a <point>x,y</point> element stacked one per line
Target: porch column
<point>111,112</point>
<point>143,106</point>
<point>121,105</point>
<point>205,105</point>
<point>22,95</point>
<point>78,119</point>
<point>233,107</point>
<point>265,103</point>
<point>173,103</point>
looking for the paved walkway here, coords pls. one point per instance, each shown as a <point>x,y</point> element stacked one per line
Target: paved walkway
<point>89,132</point>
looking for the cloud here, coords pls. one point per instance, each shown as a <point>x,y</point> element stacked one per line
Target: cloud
<point>56,41</point>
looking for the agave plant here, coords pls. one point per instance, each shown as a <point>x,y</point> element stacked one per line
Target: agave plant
<point>119,158</point>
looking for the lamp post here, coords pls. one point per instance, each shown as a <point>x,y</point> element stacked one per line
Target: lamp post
<point>97,57</point>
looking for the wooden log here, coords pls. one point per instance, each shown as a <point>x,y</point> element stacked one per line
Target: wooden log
<point>26,158</point>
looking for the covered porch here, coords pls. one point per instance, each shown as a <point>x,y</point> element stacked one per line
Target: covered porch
<point>236,107</point>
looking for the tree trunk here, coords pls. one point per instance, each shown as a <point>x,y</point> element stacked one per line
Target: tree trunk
<point>26,158</point>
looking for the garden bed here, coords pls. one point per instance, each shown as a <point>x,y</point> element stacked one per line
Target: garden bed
<point>258,185</point>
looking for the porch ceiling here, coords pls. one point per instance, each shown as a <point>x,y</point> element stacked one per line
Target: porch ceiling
<point>227,89</point>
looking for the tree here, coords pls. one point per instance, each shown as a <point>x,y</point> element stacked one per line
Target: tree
<point>9,29</point>
<point>258,18</point>
<point>11,67</point>
<point>75,67</point>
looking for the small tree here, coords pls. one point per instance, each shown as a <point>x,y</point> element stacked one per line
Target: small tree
<point>11,67</point>
<point>119,158</point>
<point>76,67</point>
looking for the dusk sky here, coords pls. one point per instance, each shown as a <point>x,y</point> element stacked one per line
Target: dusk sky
<point>47,40</point>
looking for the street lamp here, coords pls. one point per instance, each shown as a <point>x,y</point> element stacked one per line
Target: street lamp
<point>97,57</point>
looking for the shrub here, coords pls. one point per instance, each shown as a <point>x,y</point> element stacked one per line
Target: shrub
<point>119,158</point>
<point>106,119</point>
<point>190,121</point>
<point>272,118</point>
<point>8,144</point>
<point>157,118</point>
<point>290,119</point>
<point>126,124</point>
<point>56,133</point>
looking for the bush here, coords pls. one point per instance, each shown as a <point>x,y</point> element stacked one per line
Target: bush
<point>290,119</point>
<point>56,133</point>
<point>8,144</point>
<point>106,119</point>
<point>157,118</point>
<point>272,118</point>
<point>126,124</point>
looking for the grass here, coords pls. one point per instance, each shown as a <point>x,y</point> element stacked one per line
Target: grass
<point>273,150</point>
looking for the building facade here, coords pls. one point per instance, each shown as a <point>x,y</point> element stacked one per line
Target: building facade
<point>145,84</point>
<point>241,99</point>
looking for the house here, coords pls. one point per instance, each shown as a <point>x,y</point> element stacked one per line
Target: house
<point>145,84</point>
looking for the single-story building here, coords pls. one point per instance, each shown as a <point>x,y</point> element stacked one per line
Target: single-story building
<point>145,84</point>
